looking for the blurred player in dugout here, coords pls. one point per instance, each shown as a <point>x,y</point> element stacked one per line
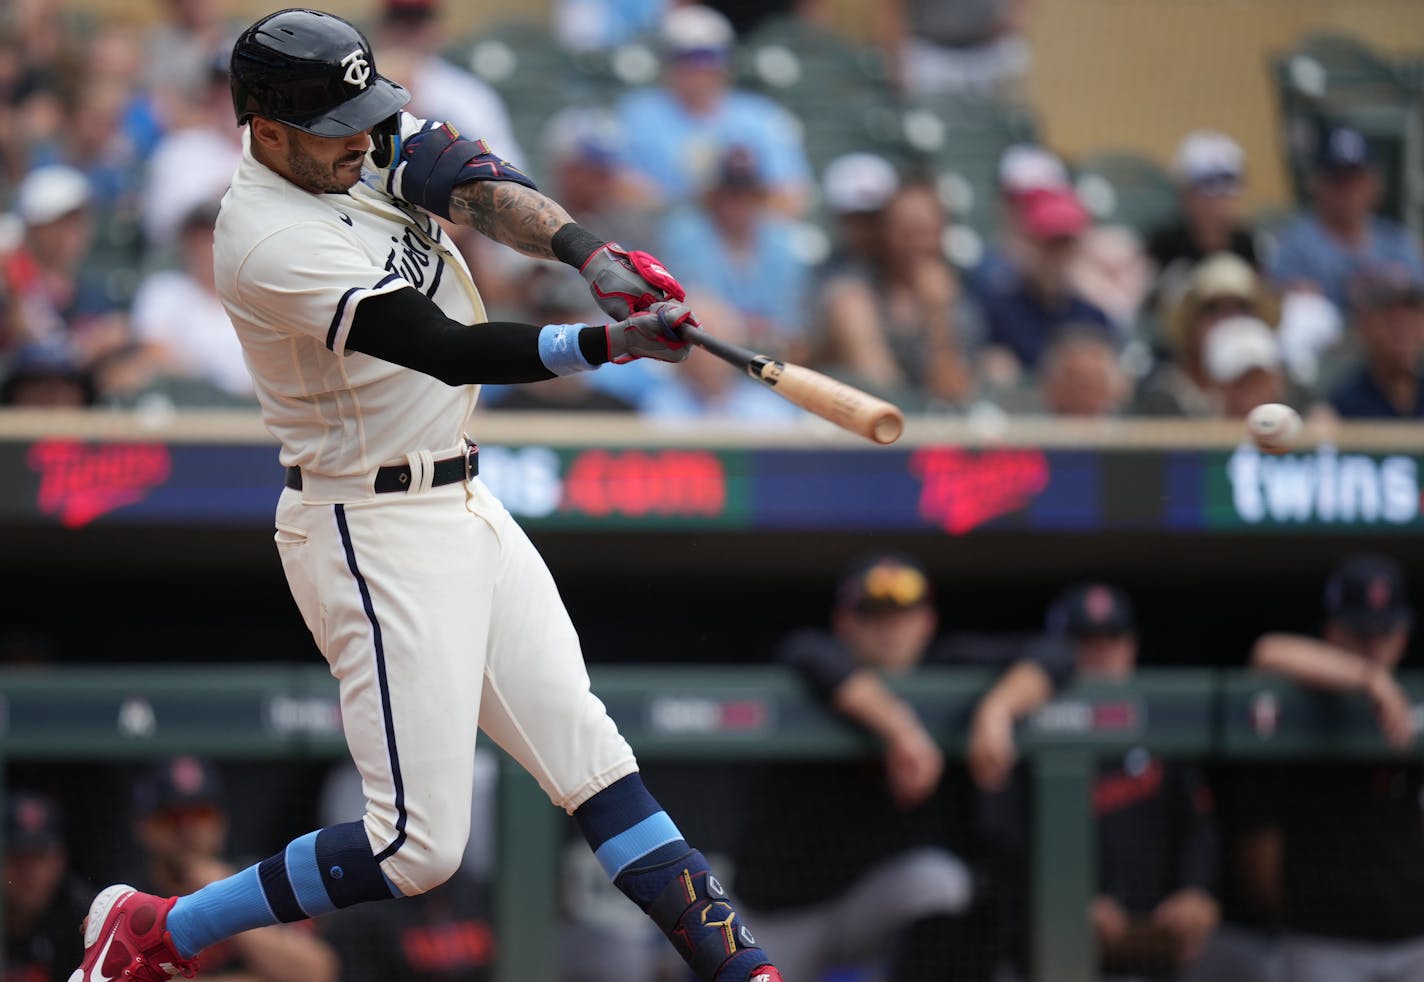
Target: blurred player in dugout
<point>1154,912</point>
<point>1340,849</point>
<point>43,899</point>
<point>181,823</point>
<point>859,864</point>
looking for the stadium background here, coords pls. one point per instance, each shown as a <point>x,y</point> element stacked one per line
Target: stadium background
<point>1107,75</point>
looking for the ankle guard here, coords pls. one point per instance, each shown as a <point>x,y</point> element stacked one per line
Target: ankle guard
<point>695,913</point>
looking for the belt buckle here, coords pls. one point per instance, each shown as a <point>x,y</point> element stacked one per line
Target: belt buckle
<point>471,449</point>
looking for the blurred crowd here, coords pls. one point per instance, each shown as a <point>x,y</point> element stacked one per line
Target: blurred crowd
<point>116,142</point>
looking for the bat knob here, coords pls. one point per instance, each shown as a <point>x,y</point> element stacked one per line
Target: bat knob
<point>887,428</point>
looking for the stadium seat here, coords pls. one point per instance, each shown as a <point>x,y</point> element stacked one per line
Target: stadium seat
<point>1340,67</point>
<point>961,139</point>
<point>525,65</point>
<point>1127,188</point>
<point>791,59</point>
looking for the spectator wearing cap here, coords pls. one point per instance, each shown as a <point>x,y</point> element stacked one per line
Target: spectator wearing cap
<point>181,824</point>
<point>682,127</point>
<point>44,901</point>
<point>903,326</point>
<point>1210,173</point>
<point>1320,250</point>
<point>855,187</point>
<point>733,247</point>
<point>1242,361</point>
<point>846,863</point>
<point>1221,286</point>
<point>52,299</point>
<point>1154,912</point>
<point>409,38</point>
<point>1029,300</point>
<point>46,375</point>
<point>1027,168</point>
<point>1345,853</point>
<point>1024,169</point>
<point>181,324</point>
<point>1388,306</point>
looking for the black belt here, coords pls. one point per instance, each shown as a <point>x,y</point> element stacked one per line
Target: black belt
<point>396,477</point>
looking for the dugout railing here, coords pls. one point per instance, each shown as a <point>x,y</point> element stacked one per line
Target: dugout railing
<point>713,714</point>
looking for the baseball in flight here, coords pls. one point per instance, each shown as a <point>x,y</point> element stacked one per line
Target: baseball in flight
<point>1274,427</point>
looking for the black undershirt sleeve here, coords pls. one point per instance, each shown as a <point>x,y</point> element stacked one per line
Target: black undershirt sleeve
<point>405,327</point>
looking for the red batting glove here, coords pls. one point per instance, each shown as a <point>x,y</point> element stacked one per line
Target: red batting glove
<point>624,283</point>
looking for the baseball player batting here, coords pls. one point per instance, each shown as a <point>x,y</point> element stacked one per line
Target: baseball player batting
<point>429,603</point>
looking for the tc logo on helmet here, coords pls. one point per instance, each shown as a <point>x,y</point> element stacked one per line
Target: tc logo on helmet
<point>358,69</point>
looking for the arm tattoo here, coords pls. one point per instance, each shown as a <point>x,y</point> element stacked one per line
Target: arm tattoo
<point>513,214</point>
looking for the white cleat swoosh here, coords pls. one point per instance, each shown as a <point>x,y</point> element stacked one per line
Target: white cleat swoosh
<point>99,975</point>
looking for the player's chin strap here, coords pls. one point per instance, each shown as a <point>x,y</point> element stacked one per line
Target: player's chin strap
<point>696,914</point>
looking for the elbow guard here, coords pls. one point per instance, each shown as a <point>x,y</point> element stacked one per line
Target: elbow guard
<point>433,162</point>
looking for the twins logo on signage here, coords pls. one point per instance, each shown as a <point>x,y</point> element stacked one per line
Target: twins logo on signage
<point>79,483</point>
<point>963,489</point>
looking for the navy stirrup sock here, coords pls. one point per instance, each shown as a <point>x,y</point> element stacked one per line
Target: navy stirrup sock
<point>646,857</point>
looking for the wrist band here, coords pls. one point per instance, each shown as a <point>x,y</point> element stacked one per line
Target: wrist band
<point>560,351</point>
<point>573,244</point>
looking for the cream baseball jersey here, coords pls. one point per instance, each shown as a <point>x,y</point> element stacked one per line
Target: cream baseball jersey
<point>291,269</point>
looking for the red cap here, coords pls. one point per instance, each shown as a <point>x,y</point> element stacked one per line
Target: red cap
<point>1052,213</point>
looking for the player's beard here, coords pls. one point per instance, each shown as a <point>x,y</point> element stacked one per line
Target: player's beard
<point>319,177</point>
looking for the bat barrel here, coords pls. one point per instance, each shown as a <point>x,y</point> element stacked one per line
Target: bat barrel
<point>842,404</point>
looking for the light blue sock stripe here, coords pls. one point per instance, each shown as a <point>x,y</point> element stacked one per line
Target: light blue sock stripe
<point>305,876</point>
<point>219,911</point>
<point>625,848</point>
<point>559,349</point>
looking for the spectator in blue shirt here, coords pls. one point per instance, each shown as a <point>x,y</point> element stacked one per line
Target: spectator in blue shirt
<point>735,248</point>
<point>1029,300</point>
<point>695,115</point>
<point>600,25</point>
<point>1319,251</point>
<point>1389,325</point>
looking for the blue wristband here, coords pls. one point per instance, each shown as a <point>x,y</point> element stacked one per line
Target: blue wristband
<point>559,349</point>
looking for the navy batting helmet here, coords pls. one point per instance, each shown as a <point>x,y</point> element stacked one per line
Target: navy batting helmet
<point>311,70</point>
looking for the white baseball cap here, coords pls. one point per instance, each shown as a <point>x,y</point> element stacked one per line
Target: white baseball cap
<point>1208,157</point>
<point>1025,168</point>
<point>50,192</point>
<point>1236,346</point>
<point>686,30</point>
<point>859,182</point>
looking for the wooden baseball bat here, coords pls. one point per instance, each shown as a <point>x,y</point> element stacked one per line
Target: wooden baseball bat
<point>846,406</point>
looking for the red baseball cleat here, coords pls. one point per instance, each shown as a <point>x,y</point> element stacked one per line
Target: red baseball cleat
<point>126,938</point>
